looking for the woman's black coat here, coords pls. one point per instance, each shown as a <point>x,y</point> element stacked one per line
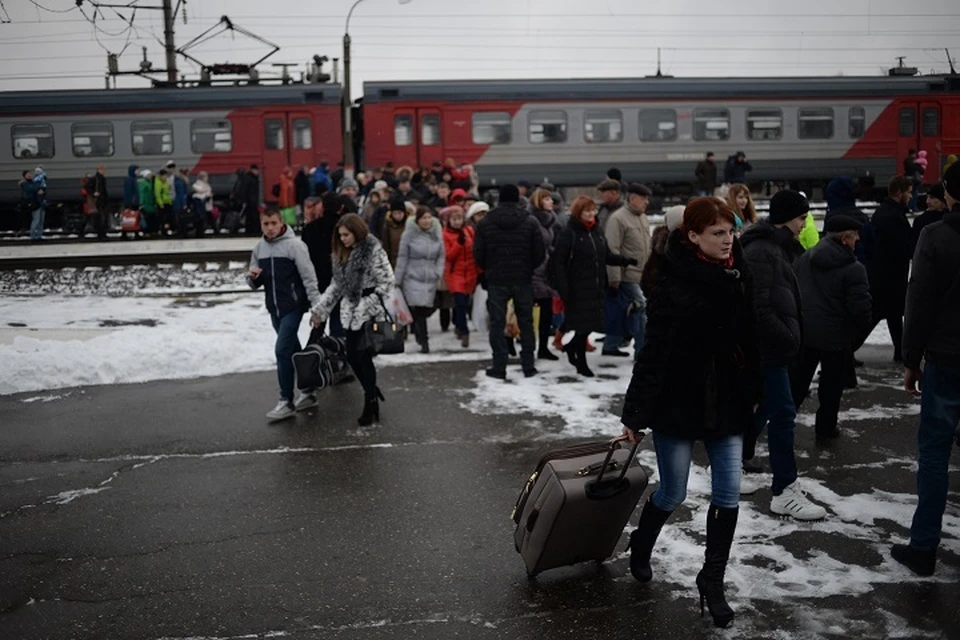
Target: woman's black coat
<point>578,272</point>
<point>698,375</point>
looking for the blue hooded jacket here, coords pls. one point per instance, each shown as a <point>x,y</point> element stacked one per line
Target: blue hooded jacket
<point>180,193</point>
<point>322,176</point>
<point>841,196</point>
<point>131,198</point>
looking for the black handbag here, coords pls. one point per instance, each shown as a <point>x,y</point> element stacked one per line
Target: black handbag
<point>382,336</point>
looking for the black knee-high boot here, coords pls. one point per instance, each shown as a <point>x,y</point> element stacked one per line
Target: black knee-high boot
<point>643,538</point>
<point>721,525</point>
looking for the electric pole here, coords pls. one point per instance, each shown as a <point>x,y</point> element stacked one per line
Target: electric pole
<point>168,40</point>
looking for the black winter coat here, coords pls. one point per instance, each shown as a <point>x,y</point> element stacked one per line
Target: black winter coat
<point>318,236</point>
<point>578,272</point>
<point>835,297</point>
<point>866,249</point>
<point>770,252</point>
<point>931,328</point>
<point>891,265</point>
<point>508,246</point>
<point>698,375</point>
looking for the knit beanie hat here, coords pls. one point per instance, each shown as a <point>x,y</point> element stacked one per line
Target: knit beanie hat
<point>951,181</point>
<point>509,193</point>
<point>786,205</point>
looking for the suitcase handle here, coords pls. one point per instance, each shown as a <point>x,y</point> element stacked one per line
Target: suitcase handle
<point>600,490</point>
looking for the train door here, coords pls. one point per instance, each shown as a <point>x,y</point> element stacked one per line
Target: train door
<point>276,152</point>
<point>930,139</point>
<point>404,138</point>
<point>430,141</point>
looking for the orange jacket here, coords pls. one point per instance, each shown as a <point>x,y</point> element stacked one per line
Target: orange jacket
<point>288,191</point>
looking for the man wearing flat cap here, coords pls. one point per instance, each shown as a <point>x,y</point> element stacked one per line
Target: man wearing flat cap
<point>835,298</point>
<point>931,334</point>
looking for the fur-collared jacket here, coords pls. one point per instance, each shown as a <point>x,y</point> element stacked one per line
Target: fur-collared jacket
<point>358,286</point>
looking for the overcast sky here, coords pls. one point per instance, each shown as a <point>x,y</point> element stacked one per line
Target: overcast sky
<point>49,44</point>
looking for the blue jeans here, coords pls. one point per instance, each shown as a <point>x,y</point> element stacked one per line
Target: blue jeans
<point>461,306</point>
<point>36,223</point>
<point>287,344</point>
<point>939,415</point>
<point>498,296</point>
<point>673,462</point>
<point>620,322</point>
<point>778,412</point>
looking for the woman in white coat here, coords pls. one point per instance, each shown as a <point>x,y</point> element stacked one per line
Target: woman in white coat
<point>420,266</point>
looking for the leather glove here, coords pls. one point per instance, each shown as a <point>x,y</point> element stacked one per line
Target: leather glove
<point>633,262</point>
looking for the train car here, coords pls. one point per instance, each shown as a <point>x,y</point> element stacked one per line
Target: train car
<point>212,129</point>
<point>570,132</point>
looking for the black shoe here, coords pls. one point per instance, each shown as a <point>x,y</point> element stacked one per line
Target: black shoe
<point>584,370</point>
<point>753,467</point>
<point>371,410</point>
<point>616,353</point>
<point>529,373</point>
<point>643,538</point>
<point>496,373</point>
<point>544,354</point>
<point>920,562</point>
<point>825,437</point>
<point>425,347</point>
<point>511,348</point>
<point>721,524</point>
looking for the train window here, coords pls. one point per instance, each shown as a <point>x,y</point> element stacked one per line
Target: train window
<point>211,136</point>
<point>711,124</point>
<point>403,131</point>
<point>547,127</point>
<point>858,122</point>
<point>930,121</point>
<point>764,124</point>
<point>908,121</point>
<point>491,127</point>
<point>430,130</point>
<point>273,134</point>
<point>603,126</point>
<point>302,133</point>
<point>658,125</point>
<point>152,137</point>
<point>92,139</point>
<point>815,123</point>
<point>32,140</point>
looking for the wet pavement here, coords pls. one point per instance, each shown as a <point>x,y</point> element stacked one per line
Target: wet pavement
<point>173,510</point>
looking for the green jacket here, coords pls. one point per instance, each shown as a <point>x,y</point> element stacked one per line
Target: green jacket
<point>809,237</point>
<point>161,192</point>
<point>148,202</point>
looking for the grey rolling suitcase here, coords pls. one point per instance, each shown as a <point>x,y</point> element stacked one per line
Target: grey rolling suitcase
<point>575,505</point>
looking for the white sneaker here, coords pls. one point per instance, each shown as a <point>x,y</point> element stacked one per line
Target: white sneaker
<point>748,486</point>
<point>306,401</point>
<point>792,502</point>
<point>283,410</point>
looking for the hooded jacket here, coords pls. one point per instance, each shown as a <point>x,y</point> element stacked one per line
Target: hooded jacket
<point>148,202</point>
<point>131,196</point>
<point>287,277</point>
<point>931,328</point>
<point>181,193</point>
<point>770,252</point>
<point>461,270</point>
<point>359,286</point>
<point>161,192</point>
<point>508,246</point>
<point>550,231</point>
<point>420,263</point>
<point>835,297</point>
<point>734,171</point>
<point>698,374</point>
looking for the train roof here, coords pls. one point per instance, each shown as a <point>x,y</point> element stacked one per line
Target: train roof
<point>656,88</point>
<point>113,100</point>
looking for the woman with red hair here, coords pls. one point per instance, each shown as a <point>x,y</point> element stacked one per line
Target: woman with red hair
<point>698,377</point>
<point>577,270</point>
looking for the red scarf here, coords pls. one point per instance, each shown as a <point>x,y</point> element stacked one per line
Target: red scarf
<point>726,264</point>
<point>589,225</point>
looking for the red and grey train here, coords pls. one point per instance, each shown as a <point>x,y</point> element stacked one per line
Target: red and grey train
<point>566,131</point>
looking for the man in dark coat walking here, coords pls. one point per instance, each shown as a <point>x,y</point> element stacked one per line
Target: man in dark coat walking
<point>770,247</point>
<point>735,171</point>
<point>251,200</point>
<point>835,298</point>
<point>891,265</point>
<point>932,332</point>
<point>706,173</point>
<point>507,248</point>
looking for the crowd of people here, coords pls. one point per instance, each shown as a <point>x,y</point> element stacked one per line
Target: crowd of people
<point>729,316</point>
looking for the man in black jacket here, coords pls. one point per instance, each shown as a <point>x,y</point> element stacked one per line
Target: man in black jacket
<point>932,332</point>
<point>835,298</point>
<point>507,248</point>
<point>251,200</point>
<point>770,247</point>
<point>706,173</point>
<point>891,264</point>
<point>936,207</point>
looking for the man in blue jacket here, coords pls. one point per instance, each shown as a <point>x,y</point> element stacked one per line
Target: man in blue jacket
<point>33,198</point>
<point>280,263</point>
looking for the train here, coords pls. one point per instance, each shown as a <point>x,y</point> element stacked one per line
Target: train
<point>569,132</point>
